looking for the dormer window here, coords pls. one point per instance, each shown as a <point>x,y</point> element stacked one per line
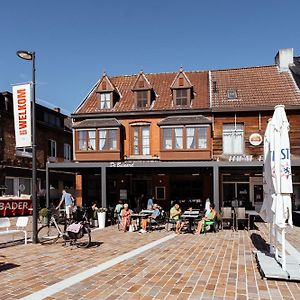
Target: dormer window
<point>142,98</point>
<point>182,89</point>
<point>105,100</point>
<point>181,97</point>
<point>142,90</point>
<point>106,93</point>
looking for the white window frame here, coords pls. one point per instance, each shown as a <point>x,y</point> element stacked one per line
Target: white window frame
<point>24,152</point>
<point>105,100</point>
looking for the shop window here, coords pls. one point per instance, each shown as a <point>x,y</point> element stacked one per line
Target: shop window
<point>233,138</point>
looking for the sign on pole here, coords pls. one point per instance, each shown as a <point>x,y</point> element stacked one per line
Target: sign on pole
<point>22,114</point>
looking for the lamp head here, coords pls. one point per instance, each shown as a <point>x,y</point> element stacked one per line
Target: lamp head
<point>25,54</point>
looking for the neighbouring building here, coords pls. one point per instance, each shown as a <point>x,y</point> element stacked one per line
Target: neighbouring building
<point>54,144</point>
<point>187,135</point>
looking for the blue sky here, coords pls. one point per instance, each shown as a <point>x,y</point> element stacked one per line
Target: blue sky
<point>75,41</point>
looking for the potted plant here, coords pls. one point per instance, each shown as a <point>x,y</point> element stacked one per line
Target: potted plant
<point>101,213</point>
<point>44,214</point>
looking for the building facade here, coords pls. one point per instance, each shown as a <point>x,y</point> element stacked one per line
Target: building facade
<point>183,136</point>
<point>54,144</point>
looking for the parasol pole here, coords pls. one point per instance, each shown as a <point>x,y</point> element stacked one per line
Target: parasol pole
<point>275,242</point>
<point>283,249</point>
<point>271,238</point>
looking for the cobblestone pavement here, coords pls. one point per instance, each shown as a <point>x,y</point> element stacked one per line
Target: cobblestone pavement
<point>211,266</point>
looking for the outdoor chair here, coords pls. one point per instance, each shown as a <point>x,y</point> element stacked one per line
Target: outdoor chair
<point>158,222</point>
<point>170,222</point>
<point>212,223</point>
<point>227,216</point>
<point>241,217</point>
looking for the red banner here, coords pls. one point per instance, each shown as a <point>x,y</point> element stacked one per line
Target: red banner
<point>10,207</point>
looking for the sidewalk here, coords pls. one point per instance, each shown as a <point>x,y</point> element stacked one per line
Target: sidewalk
<point>211,266</point>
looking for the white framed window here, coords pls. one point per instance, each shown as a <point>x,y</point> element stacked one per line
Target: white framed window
<point>141,140</point>
<point>196,137</point>
<point>233,138</point>
<point>52,148</point>
<point>107,139</point>
<point>184,137</point>
<point>105,100</point>
<point>24,152</point>
<point>67,152</point>
<point>82,140</point>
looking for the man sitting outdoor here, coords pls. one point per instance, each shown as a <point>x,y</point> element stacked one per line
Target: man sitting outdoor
<point>155,214</point>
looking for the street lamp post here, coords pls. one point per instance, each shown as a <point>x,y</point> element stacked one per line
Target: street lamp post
<point>31,56</point>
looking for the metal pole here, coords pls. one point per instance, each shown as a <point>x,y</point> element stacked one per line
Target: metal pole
<point>34,202</point>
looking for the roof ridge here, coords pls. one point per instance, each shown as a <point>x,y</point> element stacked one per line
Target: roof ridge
<point>160,73</point>
<point>243,68</point>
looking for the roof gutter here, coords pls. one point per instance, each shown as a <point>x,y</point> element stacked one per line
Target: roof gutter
<point>142,113</point>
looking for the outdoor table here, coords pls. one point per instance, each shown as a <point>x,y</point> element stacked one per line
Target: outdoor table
<point>142,214</point>
<point>252,214</point>
<point>190,216</point>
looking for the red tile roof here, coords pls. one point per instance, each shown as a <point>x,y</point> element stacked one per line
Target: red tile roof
<point>161,83</point>
<point>256,87</point>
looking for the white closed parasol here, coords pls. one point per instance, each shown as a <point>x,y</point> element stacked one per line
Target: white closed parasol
<point>277,207</point>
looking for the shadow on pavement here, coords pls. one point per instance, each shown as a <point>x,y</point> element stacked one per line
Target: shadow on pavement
<point>7,266</point>
<point>95,244</point>
<point>11,243</point>
<point>259,243</point>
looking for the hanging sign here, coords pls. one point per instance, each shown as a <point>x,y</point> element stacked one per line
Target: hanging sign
<point>22,115</point>
<point>255,139</point>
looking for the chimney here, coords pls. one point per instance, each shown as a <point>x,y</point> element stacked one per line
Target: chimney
<point>57,109</point>
<point>284,58</point>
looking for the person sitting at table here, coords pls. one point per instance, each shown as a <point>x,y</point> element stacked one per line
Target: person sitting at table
<point>155,214</point>
<point>175,214</point>
<point>210,215</point>
<point>125,217</point>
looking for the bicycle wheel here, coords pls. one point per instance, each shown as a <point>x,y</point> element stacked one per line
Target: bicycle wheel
<point>47,234</point>
<point>85,240</point>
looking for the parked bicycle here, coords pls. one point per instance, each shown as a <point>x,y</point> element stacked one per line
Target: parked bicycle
<point>77,232</point>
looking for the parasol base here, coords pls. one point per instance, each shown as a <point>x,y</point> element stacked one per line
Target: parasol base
<point>271,269</point>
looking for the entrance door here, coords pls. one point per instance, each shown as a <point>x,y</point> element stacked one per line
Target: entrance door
<point>235,190</point>
<point>142,187</point>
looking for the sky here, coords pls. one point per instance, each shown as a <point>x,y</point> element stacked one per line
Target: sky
<point>76,41</point>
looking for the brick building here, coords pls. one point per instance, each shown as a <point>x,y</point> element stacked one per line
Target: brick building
<point>182,135</point>
<point>54,144</point>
